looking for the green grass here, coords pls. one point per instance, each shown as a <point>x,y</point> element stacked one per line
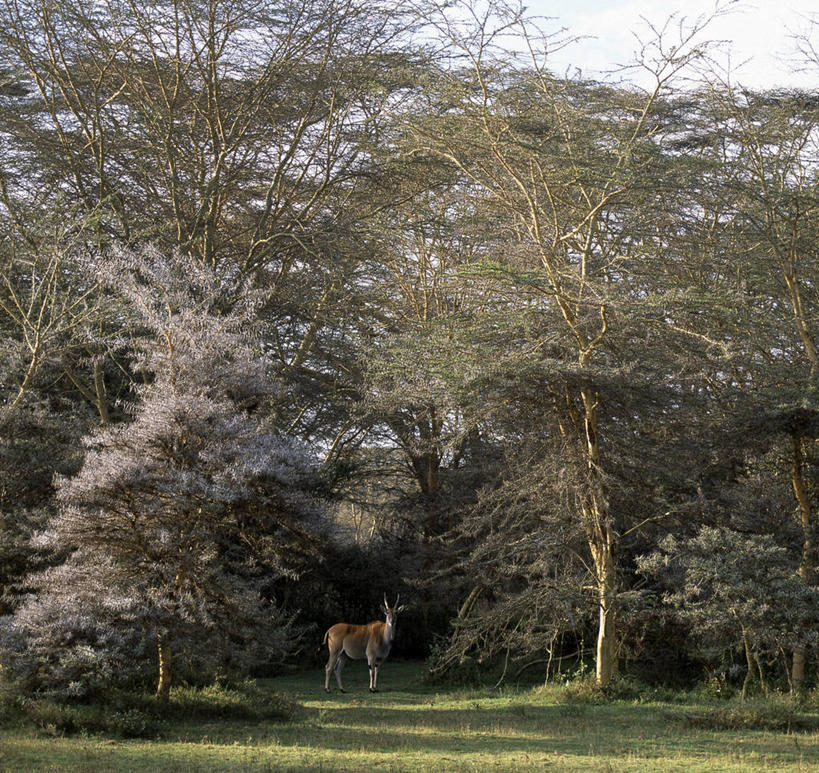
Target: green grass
<point>416,727</point>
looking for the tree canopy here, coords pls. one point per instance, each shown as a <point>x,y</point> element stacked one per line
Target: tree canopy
<point>298,297</point>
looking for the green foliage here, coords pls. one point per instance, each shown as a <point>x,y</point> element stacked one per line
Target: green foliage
<point>243,700</point>
<point>38,440</point>
<point>727,585</point>
<point>584,689</point>
<point>139,715</point>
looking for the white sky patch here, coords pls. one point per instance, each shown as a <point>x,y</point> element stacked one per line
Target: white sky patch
<point>759,35</point>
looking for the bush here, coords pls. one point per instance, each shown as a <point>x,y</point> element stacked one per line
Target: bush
<point>627,688</point>
<point>52,718</point>
<point>584,689</point>
<point>131,723</point>
<point>140,715</point>
<point>467,672</point>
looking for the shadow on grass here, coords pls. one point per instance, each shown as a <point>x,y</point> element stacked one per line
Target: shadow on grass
<point>412,725</point>
<point>412,715</point>
<point>615,732</point>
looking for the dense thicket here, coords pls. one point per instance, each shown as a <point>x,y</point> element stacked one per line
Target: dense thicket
<point>306,298</point>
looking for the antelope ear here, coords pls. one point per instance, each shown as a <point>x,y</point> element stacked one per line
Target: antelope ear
<point>383,609</point>
<point>400,609</point>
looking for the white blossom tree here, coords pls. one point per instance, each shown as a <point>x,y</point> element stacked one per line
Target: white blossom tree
<point>178,518</point>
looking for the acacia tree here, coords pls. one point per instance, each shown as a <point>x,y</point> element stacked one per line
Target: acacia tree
<point>575,170</point>
<point>48,308</point>
<point>779,188</point>
<point>218,127</point>
<point>52,331</point>
<point>413,391</point>
<point>235,131</point>
<point>178,519</point>
<point>764,145</point>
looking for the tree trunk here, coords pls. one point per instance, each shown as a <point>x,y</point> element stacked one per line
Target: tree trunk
<point>163,648</point>
<point>466,607</point>
<point>749,659</point>
<point>601,544</point>
<point>806,564</point>
<point>424,454</point>
<point>606,634</point>
<point>426,470</point>
<point>800,659</point>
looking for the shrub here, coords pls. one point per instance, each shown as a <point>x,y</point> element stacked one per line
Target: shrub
<point>178,520</point>
<point>51,717</point>
<point>140,715</point>
<point>131,723</point>
<point>582,689</point>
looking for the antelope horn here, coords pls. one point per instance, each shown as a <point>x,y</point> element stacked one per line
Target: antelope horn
<point>386,603</point>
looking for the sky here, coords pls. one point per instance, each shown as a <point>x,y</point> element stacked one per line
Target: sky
<point>757,32</point>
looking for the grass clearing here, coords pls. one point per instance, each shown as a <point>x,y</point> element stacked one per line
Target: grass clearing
<point>412,726</point>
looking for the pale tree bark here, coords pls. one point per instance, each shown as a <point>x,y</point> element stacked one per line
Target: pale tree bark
<point>801,448</point>
<point>163,648</point>
<point>749,663</point>
<point>98,395</point>
<point>601,539</point>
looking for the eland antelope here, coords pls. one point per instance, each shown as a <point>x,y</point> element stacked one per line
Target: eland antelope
<point>371,641</point>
